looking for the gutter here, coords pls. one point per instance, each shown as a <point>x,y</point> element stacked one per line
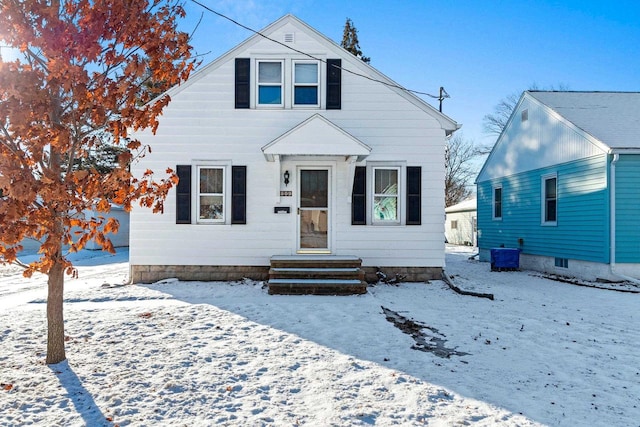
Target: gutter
<point>612,227</point>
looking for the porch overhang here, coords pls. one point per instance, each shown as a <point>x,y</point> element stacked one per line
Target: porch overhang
<point>316,136</point>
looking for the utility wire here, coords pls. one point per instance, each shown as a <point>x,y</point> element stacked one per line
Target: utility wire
<point>440,97</point>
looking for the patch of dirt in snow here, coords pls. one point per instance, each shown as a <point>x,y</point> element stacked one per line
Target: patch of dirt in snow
<point>432,343</point>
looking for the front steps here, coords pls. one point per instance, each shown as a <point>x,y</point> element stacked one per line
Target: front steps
<point>316,275</point>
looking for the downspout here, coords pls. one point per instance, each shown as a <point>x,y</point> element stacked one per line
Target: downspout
<point>612,227</point>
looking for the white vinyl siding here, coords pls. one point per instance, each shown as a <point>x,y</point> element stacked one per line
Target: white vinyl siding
<point>201,123</point>
<point>526,146</point>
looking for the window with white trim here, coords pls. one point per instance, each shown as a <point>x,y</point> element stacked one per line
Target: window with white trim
<point>270,83</point>
<point>386,195</point>
<point>211,194</point>
<point>550,199</point>
<point>497,202</point>
<point>306,78</point>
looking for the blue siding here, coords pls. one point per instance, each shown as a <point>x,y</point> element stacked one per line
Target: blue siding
<point>583,212</point>
<point>628,209</point>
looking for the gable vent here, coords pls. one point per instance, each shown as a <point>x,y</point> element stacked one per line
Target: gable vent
<point>525,115</point>
<point>288,38</point>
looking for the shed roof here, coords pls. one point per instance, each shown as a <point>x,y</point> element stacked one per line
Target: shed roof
<point>611,117</point>
<point>464,206</point>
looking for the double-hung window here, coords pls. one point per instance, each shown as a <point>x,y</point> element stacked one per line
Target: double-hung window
<point>270,83</point>
<point>213,194</point>
<point>211,186</point>
<point>306,78</point>
<point>550,199</point>
<point>386,195</point>
<point>497,202</point>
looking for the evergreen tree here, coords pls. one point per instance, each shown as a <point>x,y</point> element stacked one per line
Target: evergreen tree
<point>350,41</point>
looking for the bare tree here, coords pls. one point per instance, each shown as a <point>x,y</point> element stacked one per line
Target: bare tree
<point>495,122</point>
<point>460,170</point>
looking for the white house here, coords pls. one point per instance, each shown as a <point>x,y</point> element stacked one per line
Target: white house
<point>460,226</point>
<point>288,145</point>
<point>120,239</point>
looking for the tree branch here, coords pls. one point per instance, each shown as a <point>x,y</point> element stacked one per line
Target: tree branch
<point>449,282</point>
<point>9,143</point>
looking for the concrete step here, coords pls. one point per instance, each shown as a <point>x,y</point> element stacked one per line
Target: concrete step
<point>317,261</point>
<point>316,273</point>
<point>317,286</point>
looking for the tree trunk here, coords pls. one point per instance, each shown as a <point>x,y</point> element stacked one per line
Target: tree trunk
<point>55,318</point>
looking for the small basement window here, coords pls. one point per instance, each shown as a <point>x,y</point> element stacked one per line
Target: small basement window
<point>562,262</point>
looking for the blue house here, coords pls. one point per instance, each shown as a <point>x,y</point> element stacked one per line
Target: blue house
<point>562,184</point>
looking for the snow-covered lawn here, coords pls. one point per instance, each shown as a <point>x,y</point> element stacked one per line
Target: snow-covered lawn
<point>193,353</point>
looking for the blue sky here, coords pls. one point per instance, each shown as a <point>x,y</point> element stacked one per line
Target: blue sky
<point>479,51</point>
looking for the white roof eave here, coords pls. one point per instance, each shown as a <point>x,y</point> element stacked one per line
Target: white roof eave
<point>316,136</point>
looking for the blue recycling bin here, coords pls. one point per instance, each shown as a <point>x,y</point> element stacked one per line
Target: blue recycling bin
<point>505,259</point>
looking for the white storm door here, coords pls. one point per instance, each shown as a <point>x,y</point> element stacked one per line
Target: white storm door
<point>313,210</point>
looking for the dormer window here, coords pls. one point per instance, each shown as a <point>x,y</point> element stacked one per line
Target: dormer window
<point>305,87</point>
<point>270,83</point>
<point>285,83</point>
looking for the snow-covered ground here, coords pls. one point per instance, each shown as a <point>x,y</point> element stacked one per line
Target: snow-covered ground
<point>194,353</point>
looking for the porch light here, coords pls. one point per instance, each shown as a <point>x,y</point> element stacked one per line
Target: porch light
<point>286,178</point>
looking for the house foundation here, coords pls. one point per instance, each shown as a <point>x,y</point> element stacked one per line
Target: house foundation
<point>215,273</point>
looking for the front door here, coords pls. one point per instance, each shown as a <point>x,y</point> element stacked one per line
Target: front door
<point>313,210</point>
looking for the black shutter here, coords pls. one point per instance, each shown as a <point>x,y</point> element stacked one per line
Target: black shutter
<point>243,82</point>
<point>359,197</point>
<point>183,192</point>
<point>414,190</point>
<point>238,195</point>
<point>334,84</point>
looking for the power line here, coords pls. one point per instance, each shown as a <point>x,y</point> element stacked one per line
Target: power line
<point>443,94</point>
